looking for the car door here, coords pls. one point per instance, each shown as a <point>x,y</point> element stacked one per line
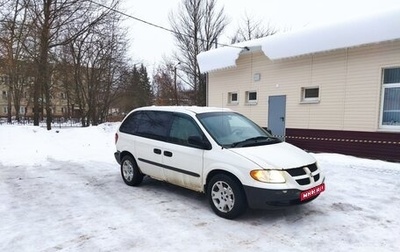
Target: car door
<point>152,132</point>
<point>183,162</point>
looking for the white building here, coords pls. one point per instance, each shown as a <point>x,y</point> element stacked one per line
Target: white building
<point>332,88</point>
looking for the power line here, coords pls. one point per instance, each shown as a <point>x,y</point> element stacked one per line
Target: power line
<point>155,25</point>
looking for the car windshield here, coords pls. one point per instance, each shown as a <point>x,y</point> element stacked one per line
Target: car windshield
<point>232,130</point>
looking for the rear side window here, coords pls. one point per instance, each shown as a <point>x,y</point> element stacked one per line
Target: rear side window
<point>130,124</point>
<point>151,124</point>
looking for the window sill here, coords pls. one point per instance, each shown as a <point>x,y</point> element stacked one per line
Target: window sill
<point>310,101</point>
<point>233,103</point>
<point>251,103</point>
<point>389,129</point>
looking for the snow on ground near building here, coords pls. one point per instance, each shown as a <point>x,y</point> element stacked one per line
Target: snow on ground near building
<point>61,190</point>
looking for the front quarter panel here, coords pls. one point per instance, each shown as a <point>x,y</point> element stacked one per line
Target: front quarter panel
<point>228,161</point>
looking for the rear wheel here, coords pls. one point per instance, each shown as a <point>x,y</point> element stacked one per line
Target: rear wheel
<point>130,171</point>
<point>226,196</point>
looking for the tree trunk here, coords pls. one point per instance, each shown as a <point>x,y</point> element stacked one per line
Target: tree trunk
<point>9,107</point>
<point>36,93</point>
<point>49,117</point>
<point>43,65</point>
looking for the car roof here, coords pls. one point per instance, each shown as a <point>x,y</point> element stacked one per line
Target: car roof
<point>185,109</point>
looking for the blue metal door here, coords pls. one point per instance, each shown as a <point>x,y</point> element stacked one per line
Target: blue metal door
<point>276,115</point>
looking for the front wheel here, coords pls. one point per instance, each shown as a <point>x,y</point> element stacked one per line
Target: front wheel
<point>130,171</point>
<point>226,196</point>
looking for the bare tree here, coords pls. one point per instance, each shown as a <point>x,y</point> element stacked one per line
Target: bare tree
<point>98,63</point>
<point>64,74</point>
<point>16,67</point>
<point>107,66</point>
<point>252,29</point>
<point>164,88</point>
<point>53,21</point>
<point>197,24</point>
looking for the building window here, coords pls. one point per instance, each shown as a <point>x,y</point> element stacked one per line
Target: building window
<point>63,96</point>
<point>22,110</point>
<point>233,98</point>
<point>310,94</point>
<point>5,110</point>
<point>251,97</point>
<point>390,108</point>
<point>4,94</point>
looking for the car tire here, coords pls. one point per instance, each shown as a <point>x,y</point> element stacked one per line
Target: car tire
<point>130,171</point>
<point>226,196</point>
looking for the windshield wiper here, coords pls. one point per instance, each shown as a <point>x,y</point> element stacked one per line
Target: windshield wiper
<point>253,140</point>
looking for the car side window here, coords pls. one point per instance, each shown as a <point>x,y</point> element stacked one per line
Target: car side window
<point>130,124</point>
<point>154,124</point>
<point>151,124</point>
<point>182,128</point>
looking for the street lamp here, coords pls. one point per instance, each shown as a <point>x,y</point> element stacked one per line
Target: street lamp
<point>176,89</point>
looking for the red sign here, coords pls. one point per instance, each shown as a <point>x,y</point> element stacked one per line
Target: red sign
<point>311,193</point>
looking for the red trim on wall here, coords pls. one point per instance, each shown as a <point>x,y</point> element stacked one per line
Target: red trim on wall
<point>375,145</point>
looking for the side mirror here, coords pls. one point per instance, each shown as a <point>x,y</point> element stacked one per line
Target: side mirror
<point>267,130</point>
<point>198,142</point>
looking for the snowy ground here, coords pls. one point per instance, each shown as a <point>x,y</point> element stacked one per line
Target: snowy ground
<point>61,190</point>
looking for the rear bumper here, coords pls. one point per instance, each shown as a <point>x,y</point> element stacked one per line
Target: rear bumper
<point>117,156</point>
<point>259,198</point>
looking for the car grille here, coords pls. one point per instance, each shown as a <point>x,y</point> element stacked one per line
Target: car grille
<point>306,174</point>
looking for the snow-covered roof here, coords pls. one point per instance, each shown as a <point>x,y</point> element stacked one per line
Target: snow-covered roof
<point>380,27</point>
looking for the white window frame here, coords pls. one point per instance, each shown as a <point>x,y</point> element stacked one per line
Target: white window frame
<point>251,101</point>
<point>230,100</point>
<point>384,87</point>
<point>22,110</point>
<point>305,99</point>
<point>5,110</point>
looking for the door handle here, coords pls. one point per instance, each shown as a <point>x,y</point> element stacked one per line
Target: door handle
<point>157,151</point>
<point>167,153</point>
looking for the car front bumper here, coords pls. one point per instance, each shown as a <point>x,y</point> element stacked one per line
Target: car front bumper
<point>260,198</point>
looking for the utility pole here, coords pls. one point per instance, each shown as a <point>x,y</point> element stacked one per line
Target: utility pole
<point>176,89</point>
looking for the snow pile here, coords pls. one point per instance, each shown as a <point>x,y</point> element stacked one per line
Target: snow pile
<point>29,145</point>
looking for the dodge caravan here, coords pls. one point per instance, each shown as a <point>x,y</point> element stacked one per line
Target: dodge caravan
<point>219,152</point>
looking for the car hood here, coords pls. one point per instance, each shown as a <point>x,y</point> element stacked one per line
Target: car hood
<point>277,156</point>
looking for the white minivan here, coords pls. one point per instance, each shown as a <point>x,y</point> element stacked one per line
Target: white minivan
<point>219,152</point>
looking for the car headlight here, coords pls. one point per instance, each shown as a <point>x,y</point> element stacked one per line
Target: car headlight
<point>268,176</point>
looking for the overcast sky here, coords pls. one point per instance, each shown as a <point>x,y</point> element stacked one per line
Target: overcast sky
<point>150,44</point>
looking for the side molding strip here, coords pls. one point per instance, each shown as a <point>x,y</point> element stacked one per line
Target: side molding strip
<point>170,168</point>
